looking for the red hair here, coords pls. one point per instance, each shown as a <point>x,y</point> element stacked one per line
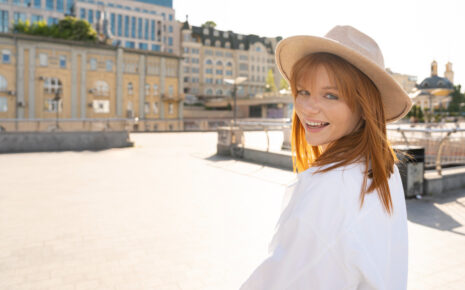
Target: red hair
<point>367,144</point>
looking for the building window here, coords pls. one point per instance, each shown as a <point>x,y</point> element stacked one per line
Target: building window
<point>4,21</point>
<point>3,84</point>
<point>62,61</point>
<point>147,108</point>
<point>171,109</point>
<point>209,71</point>
<point>170,41</point>
<point>219,92</point>
<point>209,62</point>
<point>126,26</point>
<point>139,28</point>
<point>43,59</point>
<point>69,5</point>
<point>52,20</point>
<point>146,32</point>
<point>186,79</point>
<point>218,81</point>
<point>82,13</point>
<point>208,52</point>
<point>170,91</point>
<point>49,4</point>
<point>218,43</point>
<point>220,63</point>
<point>120,25</point>
<point>6,56</point>
<point>101,88</point>
<point>229,72</point>
<point>37,3</point>
<point>93,64</point>
<point>155,89</point>
<point>170,29</point>
<point>152,34</point>
<point>3,104</point>
<point>228,44</point>
<point>207,42</point>
<point>109,65</point>
<point>113,23</point>
<point>147,89</point>
<point>143,46</point>
<point>219,71</point>
<point>52,85</point>
<point>209,92</point>
<point>241,46</point>
<point>90,16</point>
<point>52,106</point>
<point>155,108</point>
<point>101,106</point>
<point>130,44</point>
<point>130,88</point>
<point>17,16</point>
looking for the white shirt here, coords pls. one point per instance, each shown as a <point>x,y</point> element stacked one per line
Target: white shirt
<point>323,240</point>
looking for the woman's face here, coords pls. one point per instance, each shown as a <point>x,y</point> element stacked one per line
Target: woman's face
<point>323,112</point>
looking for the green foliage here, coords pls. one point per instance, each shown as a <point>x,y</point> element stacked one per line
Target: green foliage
<point>68,28</point>
<point>283,85</point>
<point>458,100</point>
<point>270,85</point>
<point>209,23</point>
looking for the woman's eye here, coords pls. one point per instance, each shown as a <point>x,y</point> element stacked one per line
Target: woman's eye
<point>303,93</point>
<point>332,97</point>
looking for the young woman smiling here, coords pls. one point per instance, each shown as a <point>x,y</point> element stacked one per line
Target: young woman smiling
<point>344,224</point>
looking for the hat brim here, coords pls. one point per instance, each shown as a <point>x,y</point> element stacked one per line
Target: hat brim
<point>395,100</point>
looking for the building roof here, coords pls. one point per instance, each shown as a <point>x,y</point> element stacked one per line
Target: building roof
<point>234,39</point>
<point>435,82</point>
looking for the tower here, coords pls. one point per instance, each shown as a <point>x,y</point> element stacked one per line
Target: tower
<point>449,73</point>
<point>434,68</point>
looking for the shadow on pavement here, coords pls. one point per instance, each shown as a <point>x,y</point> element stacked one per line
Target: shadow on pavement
<point>426,212</point>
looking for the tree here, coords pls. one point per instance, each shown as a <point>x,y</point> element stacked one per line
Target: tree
<point>270,85</point>
<point>68,28</point>
<point>283,85</point>
<point>458,98</point>
<point>209,23</point>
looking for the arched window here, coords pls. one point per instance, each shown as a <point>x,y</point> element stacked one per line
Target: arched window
<point>219,92</point>
<point>52,85</point>
<point>209,61</point>
<point>207,42</point>
<point>219,62</point>
<point>155,89</point>
<point>218,43</point>
<point>101,88</point>
<point>209,92</point>
<point>3,83</point>
<point>229,64</point>
<point>241,46</point>
<point>228,44</point>
<point>147,89</point>
<point>130,88</point>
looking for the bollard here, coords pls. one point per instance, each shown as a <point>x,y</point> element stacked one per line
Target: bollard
<point>412,170</point>
<point>230,141</point>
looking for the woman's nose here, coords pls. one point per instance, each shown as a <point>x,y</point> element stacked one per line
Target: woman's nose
<point>308,104</point>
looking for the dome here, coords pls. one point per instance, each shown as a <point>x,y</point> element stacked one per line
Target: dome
<point>435,82</point>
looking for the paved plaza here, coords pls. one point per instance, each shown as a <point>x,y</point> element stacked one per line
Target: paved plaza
<point>170,214</point>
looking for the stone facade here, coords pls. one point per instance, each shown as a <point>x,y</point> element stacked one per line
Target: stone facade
<point>92,82</point>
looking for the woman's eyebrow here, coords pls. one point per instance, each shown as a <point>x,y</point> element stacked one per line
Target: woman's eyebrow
<point>330,88</point>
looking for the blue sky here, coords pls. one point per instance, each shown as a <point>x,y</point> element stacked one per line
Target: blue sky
<point>411,33</point>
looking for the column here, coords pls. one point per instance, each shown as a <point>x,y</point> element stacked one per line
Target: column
<point>83,85</point>
<point>32,81</point>
<point>141,86</point>
<point>162,87</point>
<point>119,82</point>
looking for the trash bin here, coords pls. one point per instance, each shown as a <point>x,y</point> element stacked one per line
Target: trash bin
<point>411,169</point>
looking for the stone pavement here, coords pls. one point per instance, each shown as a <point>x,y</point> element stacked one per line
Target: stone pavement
<point>169,214</point>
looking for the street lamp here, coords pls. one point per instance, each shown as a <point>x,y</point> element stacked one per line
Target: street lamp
<point>57,105</point>
<point>235,82</point>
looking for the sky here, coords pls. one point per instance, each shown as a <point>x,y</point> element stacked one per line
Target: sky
<point>410,33</point>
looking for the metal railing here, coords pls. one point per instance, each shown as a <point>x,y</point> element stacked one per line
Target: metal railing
<point>444,143</point>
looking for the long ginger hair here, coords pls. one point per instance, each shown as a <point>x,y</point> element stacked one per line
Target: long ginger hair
<point>367,144</point>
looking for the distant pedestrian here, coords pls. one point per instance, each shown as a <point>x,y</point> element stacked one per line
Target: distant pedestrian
<point>344,222</point>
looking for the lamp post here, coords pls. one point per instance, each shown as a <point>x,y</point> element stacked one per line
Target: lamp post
<point>57,105</point>
<point>235,82</point>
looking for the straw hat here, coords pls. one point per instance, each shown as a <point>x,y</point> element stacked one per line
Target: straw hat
<point>358,49</point>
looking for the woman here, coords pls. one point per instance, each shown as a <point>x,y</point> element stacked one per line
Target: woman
<point>344,225</point>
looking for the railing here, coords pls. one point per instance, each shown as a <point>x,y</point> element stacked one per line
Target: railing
<point>444,143</point>
<point>97,124</point>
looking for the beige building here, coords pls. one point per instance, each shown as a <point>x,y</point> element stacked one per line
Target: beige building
<point>211,55</point>
<point>407,82</point>
<point>91,81</point>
